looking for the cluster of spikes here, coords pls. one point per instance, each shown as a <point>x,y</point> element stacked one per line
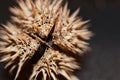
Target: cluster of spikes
<point>44,35</point>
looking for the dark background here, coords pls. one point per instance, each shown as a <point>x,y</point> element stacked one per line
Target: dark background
<point>103,61</point>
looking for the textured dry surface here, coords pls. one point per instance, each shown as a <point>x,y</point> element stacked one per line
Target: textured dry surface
<point>43,35</point>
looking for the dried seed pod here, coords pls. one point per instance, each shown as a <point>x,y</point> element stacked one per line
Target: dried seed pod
<point>70,32</point>
<point>36,17</point>
<point>17,47</point>
<point>54,64</point>
<point>46,29</point>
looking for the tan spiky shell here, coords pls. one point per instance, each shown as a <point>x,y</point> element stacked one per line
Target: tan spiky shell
<point>17,47</point>
<point>54,64</point>
<point>46,28</point>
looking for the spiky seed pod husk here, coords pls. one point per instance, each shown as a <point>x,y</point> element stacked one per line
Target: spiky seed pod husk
<point>17,46</point>
<point>38,17</point>
<point>43,23</point>
<point>70,32</point>
<point>54,64</point>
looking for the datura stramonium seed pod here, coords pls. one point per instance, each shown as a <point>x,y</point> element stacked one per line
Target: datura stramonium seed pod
<point>42,33</point>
